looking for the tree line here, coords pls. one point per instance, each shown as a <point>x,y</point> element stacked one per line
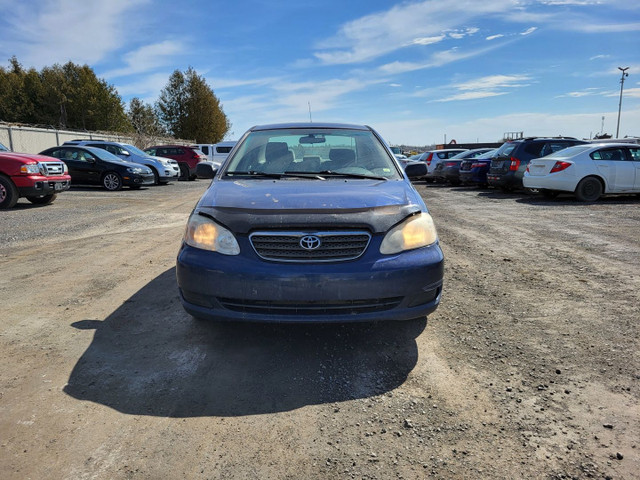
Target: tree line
<point>71,96</point>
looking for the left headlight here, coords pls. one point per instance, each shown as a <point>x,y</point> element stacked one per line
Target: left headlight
<point>31,169</point>
<point>415,232</point>
<point>204,233</point>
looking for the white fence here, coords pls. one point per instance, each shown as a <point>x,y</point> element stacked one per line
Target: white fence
<point>27,139</point>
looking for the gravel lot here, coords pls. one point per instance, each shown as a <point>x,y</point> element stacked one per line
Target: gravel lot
<point>529,368</point>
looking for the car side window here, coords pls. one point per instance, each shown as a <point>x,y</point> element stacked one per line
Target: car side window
<point>554,147</point>
<point>205,149</point>
<point>151,151</point>
<point>69,154</point>
<point>610,154</point>
<point>82,156</point>
<point>56,154</point>
<point>635,153</point>
<point>535,149</point>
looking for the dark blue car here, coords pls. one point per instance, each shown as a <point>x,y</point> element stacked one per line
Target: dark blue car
<point>310,223</point>
<point>473,171</point>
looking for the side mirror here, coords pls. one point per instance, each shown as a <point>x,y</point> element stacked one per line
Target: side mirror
<point>206,170</point>
<point>416,170</point>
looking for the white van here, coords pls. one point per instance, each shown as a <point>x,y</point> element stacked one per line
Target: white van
<point>217,152</point>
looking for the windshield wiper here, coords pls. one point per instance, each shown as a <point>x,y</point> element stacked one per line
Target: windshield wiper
<point>253,173</point>
<point>331,173</point>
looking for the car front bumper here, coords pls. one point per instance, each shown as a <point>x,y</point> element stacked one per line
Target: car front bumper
<point>133,180</point>
<point>29,186</point>
<point>373,287</point>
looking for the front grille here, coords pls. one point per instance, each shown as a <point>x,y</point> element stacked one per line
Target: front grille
<point>341,307</point>
<point>53,168</point>
<point>333,246</point>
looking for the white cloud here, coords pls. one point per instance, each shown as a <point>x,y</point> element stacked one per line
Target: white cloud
<point>61,30</point>
<point>600,27</point>
<point>529,31</point>
<point>471,96</point>
<point>493,37</point>
<point>148,57</point>
<point>627,93</point>
<point>484,87</point>
<point>597,57</point>
<point>459,34</point>
<point>377,34</point>
<point>495,81</point>
<point>147,88</point>
<point>427,40</point>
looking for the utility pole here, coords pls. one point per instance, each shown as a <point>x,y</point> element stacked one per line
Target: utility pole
<point>624,74</point>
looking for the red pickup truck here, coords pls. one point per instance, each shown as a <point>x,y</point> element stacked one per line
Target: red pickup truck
<point>36,177</point>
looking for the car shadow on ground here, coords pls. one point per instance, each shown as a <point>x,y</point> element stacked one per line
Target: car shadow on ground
<point>150,358</point>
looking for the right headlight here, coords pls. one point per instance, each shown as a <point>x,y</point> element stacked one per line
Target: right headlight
<point>204,233</point>
<point>415,232</point>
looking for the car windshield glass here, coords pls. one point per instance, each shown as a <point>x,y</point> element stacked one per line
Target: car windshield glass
<point>103,154</point>
<point>135,150</point>
<point>506,149</point>
<point>3,148</point>
<point>570,151</point>
<point>356,153</point>
<point>489,154</point>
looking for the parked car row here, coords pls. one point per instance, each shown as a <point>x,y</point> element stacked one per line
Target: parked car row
<point>550,166</point>
<point>112,165</point>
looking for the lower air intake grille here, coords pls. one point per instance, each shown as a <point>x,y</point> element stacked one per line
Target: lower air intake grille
<point>310,308</point>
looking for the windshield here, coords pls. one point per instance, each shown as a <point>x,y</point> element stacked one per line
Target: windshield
<point>104,155</point>
<point>325,151</point>
<point>506,149</point>
<point>135,150</point>
<point>489,154</point>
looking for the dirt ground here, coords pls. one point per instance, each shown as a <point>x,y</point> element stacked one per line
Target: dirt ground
<point>529,368</point>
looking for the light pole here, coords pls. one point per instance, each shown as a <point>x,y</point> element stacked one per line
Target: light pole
<point>624,74</point>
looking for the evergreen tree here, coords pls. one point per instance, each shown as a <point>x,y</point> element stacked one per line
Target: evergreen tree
<point>143,118</point>
<point>189,109</point>
<point>68,96</point>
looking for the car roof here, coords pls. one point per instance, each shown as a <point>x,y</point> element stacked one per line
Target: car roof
<point>171,145</point>
<point>66,145</point>
<point>334,126</point>
<point>80,141</point>
<point>532,139</point>
<point>609,144</point>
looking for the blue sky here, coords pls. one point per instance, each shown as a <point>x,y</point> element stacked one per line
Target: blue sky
<point>419,72</point>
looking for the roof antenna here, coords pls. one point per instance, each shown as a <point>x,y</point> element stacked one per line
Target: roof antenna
<point>310,121</point>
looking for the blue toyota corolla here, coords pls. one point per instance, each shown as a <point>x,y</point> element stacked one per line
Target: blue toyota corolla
<point>310,223</point>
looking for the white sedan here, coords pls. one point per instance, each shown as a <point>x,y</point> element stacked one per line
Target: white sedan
<point>588,171</point>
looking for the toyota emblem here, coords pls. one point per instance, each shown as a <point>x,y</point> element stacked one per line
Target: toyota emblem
<point>310,242</point>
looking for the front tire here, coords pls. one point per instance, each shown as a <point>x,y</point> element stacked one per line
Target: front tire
<point>589,189</point>
<point>8,193</point>
<point>42,199</point>
<point>112,181</point>
<point>156,177</point>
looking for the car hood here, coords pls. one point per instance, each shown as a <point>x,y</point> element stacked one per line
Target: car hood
<point>163,159</point>
<point>245,205</point>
